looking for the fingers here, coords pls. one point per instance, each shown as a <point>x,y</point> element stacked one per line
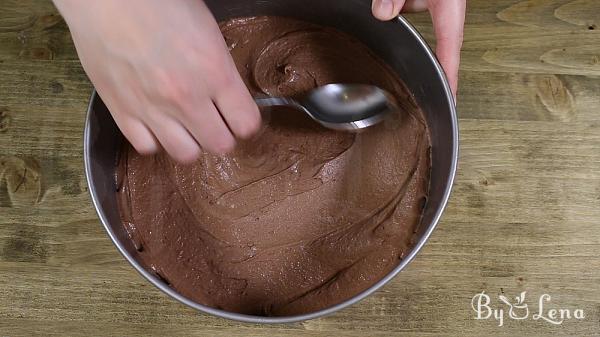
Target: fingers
<point>448,22</point>
<point>209,129</point>
<point>415,6</point>
<point>236,105</point>
<point>226,87</point>
<point>137,133</point>
<point>180,103</point>
<point>173,137</point>
<point>386,9</point>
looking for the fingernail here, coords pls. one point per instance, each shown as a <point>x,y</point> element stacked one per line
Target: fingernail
<point>383,9</point>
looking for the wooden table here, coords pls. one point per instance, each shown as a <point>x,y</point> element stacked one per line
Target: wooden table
<point>524,214</point>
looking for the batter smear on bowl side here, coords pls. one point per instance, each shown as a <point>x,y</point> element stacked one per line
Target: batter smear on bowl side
<point>300,218</point>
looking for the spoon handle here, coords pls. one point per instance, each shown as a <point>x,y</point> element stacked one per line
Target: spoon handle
<point>278,101</point>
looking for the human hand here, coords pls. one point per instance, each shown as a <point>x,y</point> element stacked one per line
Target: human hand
<point>165,73</point>
<point>448,18</point>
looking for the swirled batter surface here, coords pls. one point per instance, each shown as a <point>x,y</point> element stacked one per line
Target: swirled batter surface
<point>300,218</point>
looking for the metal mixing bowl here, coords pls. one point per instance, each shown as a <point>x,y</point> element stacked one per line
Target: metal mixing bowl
<point>396,41</point>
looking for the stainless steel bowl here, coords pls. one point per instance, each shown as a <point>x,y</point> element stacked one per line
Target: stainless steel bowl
<point>396,41</point>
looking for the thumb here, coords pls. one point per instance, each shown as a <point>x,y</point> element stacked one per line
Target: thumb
<point>448,22</point>
<point>386,9</point>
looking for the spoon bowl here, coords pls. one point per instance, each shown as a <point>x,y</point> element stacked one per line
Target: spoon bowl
<point>340,106</point>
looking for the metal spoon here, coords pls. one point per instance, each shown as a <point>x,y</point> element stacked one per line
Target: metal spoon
<point>340,106</point>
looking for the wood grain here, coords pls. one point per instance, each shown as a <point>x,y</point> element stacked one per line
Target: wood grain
<point>524,214</point>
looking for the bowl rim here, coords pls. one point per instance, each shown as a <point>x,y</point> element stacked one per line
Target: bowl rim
<point>319,313</point>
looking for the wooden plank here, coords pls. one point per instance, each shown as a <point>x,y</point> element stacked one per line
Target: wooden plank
<point>529,97</point>
<point>33,30</point>
<point>536,36</point>
<point>52,95</point>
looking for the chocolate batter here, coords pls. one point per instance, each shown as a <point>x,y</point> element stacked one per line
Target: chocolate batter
<point>300,218</point>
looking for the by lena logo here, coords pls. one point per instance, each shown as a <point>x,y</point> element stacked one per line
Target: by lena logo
<point>519,310</point>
